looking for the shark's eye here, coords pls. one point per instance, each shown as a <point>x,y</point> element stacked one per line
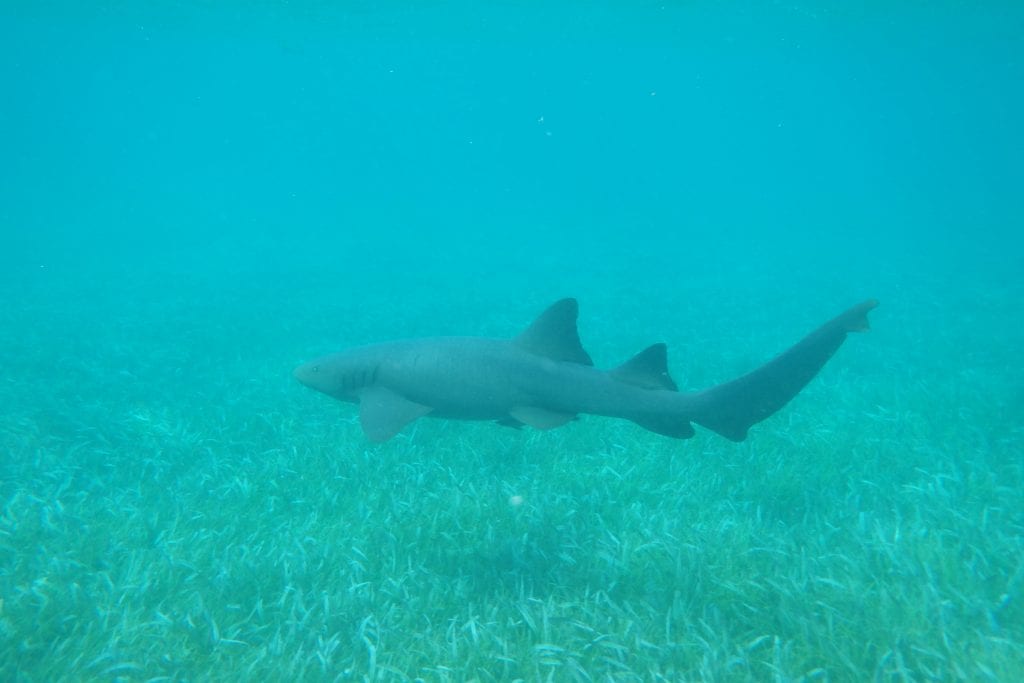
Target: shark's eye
<point>316,368</point>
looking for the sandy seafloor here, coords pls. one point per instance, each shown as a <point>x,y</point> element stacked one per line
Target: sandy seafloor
<point>197,200</point>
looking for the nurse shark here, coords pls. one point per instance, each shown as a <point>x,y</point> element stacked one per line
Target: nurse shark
<point>544,378</point>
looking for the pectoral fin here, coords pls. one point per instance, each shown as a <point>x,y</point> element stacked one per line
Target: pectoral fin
<point>383,412</point>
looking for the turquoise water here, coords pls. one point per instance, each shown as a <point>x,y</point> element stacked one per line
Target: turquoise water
<point>197,197</point>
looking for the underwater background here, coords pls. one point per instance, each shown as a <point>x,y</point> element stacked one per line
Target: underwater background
<point>195,197</point>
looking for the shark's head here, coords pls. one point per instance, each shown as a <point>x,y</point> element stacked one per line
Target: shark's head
<point>341,375</point>
<point>309,374</point>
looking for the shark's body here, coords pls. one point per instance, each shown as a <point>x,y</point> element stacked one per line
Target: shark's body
<point>544,378</point>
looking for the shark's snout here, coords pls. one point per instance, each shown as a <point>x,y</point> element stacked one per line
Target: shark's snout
<point>334,375</point>
<point>306,373</point>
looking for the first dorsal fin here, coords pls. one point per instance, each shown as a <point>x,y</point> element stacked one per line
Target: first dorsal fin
<point>553,334</point>
<point>647,369</point>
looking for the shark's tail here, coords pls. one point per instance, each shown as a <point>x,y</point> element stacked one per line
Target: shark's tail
<point>732,408</point>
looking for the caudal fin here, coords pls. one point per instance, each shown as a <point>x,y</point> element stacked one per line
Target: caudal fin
<point>730,409</point>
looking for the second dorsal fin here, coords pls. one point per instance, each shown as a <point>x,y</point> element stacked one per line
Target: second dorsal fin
<point>647,369</point>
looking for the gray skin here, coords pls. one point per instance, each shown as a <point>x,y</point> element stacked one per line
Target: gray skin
<point>544,378</point>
